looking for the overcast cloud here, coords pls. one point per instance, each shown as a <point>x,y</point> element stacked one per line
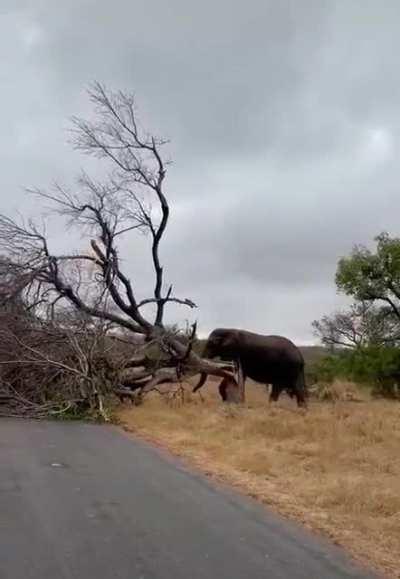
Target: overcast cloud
<point>284,118</point>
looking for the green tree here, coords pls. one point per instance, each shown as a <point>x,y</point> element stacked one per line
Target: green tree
<point>373,276</point>
<point>364,340</point>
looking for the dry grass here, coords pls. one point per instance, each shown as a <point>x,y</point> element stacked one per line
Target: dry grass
<point>337,468</point>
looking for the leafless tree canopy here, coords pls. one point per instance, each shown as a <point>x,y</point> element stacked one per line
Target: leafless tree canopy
<point>362,325</point>
<point>130,199</point>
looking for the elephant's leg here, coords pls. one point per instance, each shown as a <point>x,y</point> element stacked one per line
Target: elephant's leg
<point>229,390</point>
<point>298,393</point>
<point>301,399</point>
<point>275,392</point>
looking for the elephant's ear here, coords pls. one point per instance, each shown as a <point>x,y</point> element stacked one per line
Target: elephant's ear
<point>236,339</point>
<point>231,341</point>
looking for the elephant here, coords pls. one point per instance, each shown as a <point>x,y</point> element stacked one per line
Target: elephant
<point>271,360</point>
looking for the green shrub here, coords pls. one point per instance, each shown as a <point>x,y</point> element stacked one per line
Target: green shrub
<point>377,366</point>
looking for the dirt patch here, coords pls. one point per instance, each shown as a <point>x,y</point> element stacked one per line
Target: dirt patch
<point>335,469</point>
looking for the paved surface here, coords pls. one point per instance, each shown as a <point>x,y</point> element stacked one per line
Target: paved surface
<point>85,501</point>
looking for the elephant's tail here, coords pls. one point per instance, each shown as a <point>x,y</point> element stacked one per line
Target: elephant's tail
<point>301,388</point>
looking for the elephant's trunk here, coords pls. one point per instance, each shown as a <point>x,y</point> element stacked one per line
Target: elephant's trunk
<point>201,382</point>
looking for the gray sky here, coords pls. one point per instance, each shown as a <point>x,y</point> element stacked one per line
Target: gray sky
<point>284,119</point>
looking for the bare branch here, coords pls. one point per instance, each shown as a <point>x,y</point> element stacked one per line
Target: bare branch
<point>362,325</point>
<point>130,199</point>
<point>183,302</point>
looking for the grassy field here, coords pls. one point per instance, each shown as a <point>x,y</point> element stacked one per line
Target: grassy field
<point>335,468</point>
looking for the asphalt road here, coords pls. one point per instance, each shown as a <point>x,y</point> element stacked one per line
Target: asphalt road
<point>85,501</point>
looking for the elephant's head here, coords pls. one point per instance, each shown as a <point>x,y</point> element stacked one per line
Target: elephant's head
<point>222,343</point>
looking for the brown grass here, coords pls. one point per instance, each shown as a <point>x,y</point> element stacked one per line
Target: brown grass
<point>336,469</point>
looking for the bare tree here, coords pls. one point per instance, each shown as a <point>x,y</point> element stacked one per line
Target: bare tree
<point>362,325</point>
<point>130,199</point>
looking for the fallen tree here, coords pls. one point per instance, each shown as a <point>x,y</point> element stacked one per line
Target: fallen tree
<point>94,282</point>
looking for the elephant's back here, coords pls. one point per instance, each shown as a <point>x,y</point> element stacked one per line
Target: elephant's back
<point>270,357</point>
<point>278,345</point>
